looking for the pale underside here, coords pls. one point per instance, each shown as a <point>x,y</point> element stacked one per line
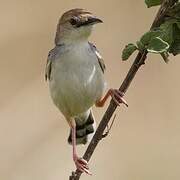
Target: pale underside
<point>77,80</point>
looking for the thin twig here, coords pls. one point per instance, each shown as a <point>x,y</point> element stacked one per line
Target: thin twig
<point>109,127</point>
<point>139,60</point>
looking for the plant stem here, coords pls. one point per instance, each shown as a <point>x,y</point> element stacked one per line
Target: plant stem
<point>139,60</point>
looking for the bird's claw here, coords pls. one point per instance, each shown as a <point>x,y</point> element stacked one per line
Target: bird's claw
<point>82,165</point>
<point>117,97</point>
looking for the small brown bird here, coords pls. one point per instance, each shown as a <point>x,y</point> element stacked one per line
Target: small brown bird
<point>75,71</point>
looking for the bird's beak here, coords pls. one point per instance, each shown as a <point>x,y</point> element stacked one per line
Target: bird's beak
<point>94,20</point>
<point>90,21</point>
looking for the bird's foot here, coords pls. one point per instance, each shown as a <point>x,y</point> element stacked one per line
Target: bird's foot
<point>117,96</point>
<point>82,165</point>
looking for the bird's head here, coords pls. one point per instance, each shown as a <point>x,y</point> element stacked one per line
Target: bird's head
<point>75,25</point>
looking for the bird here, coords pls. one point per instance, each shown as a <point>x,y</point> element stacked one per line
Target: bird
<point>75,72</point>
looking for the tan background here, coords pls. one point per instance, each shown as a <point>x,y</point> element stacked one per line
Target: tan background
<point>145,140</point>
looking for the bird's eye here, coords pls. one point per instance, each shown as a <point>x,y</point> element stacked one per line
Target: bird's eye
<point>73,21</point>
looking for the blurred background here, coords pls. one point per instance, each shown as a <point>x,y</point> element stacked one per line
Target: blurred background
<point>144,142</point>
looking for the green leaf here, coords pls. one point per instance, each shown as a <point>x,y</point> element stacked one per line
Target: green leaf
<point>175,46</point>
<point>178,24</point>
<point>155,41</point>
<point>151,3</point>
<point>127,51</point>
<point>157,45</point>
<point>174,11</point>
<point>140,46</point>
<point>167,31</point>
<point>148,36</point>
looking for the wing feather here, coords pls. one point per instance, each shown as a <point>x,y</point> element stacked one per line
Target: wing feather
<point>48,67</point>
<point>53,54</point>
<point>99,57</point>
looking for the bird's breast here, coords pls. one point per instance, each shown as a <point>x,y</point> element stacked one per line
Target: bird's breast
<point>77,82</point>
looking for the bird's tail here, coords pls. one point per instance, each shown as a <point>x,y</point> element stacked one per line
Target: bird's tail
<point>85,128</point>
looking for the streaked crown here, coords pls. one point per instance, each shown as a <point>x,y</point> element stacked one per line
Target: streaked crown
<point>80,14</point>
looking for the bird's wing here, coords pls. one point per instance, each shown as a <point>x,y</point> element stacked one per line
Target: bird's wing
<point>48,66</point>
<point>99,57</point>
<point>53,54</point>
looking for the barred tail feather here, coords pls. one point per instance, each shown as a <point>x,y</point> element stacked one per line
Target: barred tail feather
<point>85,129</point>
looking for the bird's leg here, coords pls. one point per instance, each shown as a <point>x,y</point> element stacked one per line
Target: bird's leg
<point>80,163</point>
<point>116,95</point>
